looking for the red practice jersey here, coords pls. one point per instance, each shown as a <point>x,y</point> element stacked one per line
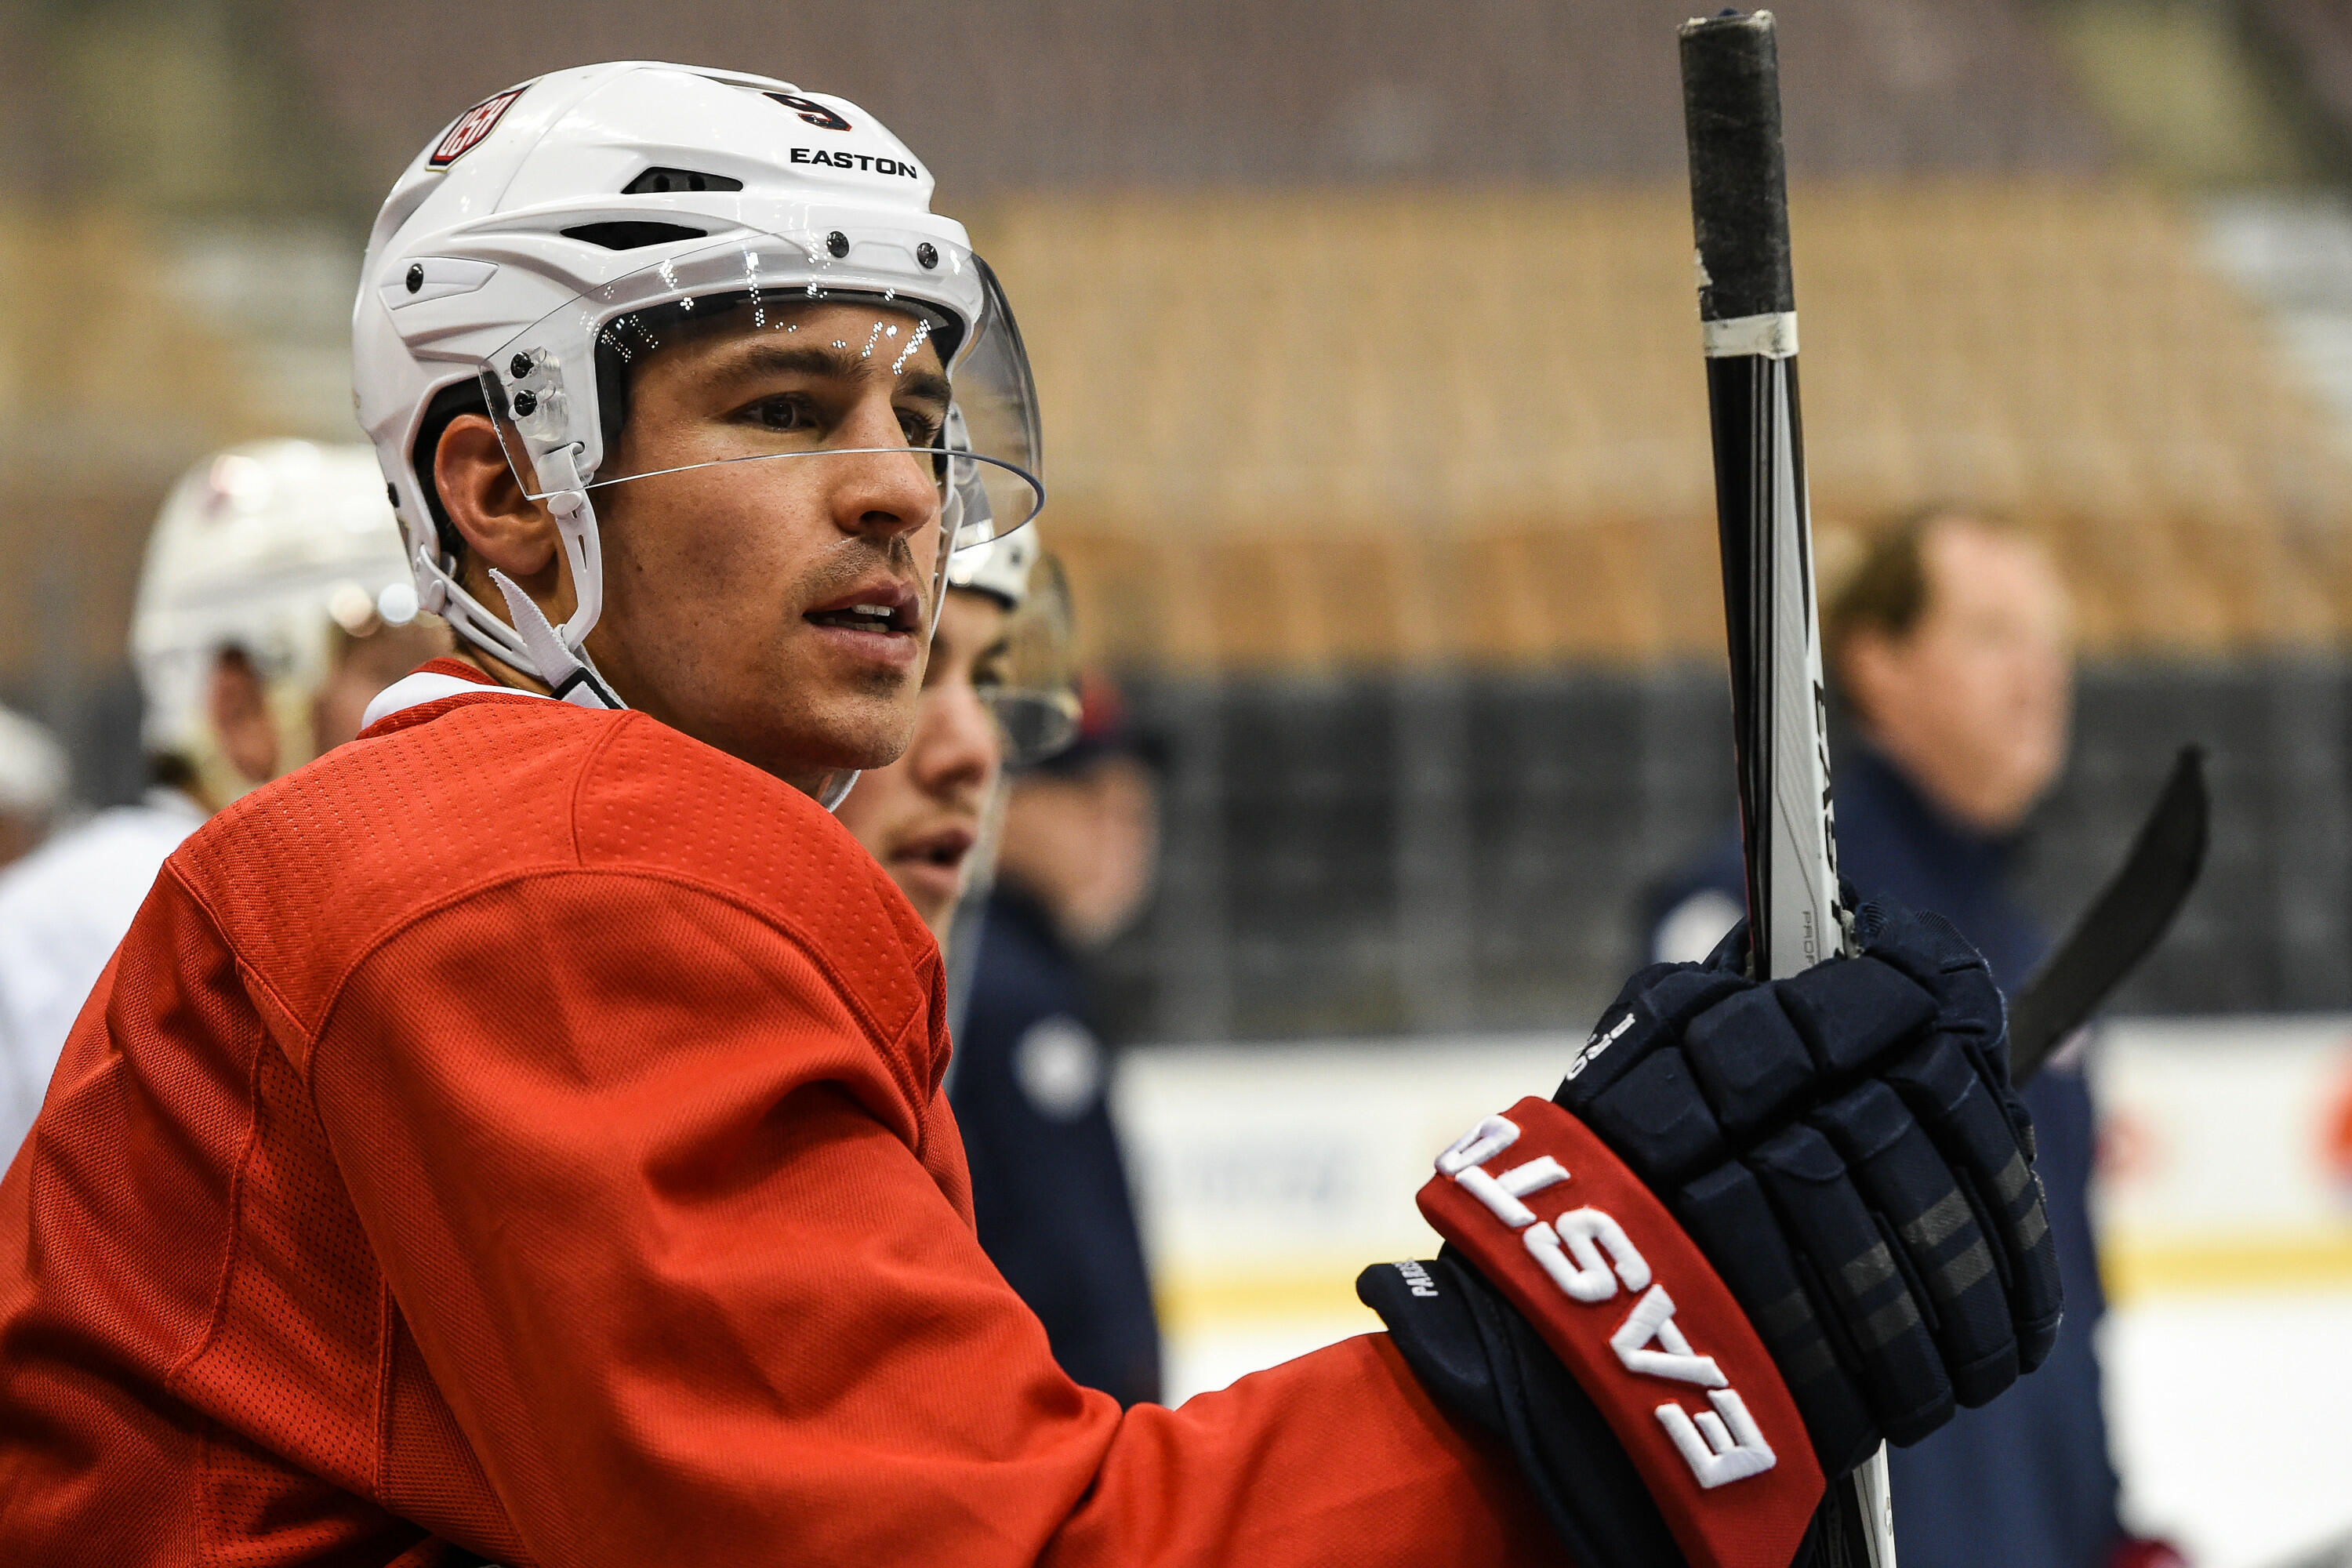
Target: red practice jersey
<point>519,1135</point>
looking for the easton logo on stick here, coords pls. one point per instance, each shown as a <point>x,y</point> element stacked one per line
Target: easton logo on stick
<point>467,131</point>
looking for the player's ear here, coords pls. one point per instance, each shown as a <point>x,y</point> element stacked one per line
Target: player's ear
<point>502,526</point>
<point>1866,672</point>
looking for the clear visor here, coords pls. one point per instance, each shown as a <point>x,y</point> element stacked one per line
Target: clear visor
<point>773,377</point>
<point>1033,695</point>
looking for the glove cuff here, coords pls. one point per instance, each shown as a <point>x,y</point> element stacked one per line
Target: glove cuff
<point>1574,1240</point>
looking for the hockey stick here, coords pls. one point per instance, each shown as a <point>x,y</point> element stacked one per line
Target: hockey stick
<point>2127,919</point>
<point>1747,316</point>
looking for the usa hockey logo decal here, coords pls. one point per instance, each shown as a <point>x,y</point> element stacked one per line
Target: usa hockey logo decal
<point>470,128</point>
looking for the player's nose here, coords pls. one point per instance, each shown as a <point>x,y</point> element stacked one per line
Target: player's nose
<point>878,484</point>
<point>956,750</point>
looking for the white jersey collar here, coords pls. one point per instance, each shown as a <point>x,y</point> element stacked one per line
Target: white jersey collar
<point>429,686</point>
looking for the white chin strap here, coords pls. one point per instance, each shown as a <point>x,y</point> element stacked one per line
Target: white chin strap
<point>525,640</point>
<point>548,654</point>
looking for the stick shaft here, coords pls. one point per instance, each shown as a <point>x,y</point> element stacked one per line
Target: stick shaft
<point>1778,703</point>
<point>1739,211</point>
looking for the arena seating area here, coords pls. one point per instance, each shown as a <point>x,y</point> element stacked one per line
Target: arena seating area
<point>1015,95</point>
<point>1305,244</point>
<point>1314,433</point>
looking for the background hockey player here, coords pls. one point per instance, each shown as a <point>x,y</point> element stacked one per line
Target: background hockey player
<point>928,817</point>
<point>517,1134</point>
<point>1951,642</point>
<point>273,604</point>
<point>1049,1187</point>
<point>1028,1081</point>
<point>33,784</point>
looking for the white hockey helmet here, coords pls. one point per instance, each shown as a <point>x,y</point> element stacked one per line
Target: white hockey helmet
<point>1033,691</point>
<point>33,774</point>
<point>556,229</point>
<point>267,548</point>
<point>999,567</point>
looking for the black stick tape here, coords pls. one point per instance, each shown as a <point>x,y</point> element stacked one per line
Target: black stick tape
<point>1740,182</point>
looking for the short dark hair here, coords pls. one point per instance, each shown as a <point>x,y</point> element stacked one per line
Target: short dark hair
<point>458,397</point>
<point>1886,591</point>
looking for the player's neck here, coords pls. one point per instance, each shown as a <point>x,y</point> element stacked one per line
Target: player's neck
<point>498,670</point>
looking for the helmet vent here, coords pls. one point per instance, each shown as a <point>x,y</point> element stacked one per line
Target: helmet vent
<point>662,182</point>
<point>631,235</point>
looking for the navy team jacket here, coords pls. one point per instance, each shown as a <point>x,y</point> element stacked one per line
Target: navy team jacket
<point>2026,1482</point>
<point>1048,1188</point>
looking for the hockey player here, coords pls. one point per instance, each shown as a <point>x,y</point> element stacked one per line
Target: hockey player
<point>274,603</point>
<point>1049,1188</point>
<point>926,816</point>
<point>518,1135</point>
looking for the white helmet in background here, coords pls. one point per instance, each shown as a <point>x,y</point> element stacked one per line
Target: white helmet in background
<point>554,231</point>
<point>999,567</point>
<point>1034,694</point>
<point>267,548</point>
<point>34,775</point>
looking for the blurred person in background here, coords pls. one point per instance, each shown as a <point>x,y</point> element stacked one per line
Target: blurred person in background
<point>1076,844</point>
<point>1080,842</point>
<point>274,601</point>
<point>1076,841</point>
<point>33,779</point>
<point>1950,644</point>
<point>926,816</point>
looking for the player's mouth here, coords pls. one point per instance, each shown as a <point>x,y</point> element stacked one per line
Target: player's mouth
<point>933,861</point>
<point>878,621</point>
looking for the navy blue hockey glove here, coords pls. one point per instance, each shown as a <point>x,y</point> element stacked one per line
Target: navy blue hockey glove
<point>1844,1148</point>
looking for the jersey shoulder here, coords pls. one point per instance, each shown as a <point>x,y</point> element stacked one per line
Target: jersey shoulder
<point>658,803</point>
<point>308,874</point>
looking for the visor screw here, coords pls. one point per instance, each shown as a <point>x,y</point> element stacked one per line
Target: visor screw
<point>928,254</point>
<point>526,403</point>
<point>518,366</point>
<point>837,242</point>
<point>416,276</point>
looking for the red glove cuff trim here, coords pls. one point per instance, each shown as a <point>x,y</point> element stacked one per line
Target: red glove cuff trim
<point>1635,1312</point>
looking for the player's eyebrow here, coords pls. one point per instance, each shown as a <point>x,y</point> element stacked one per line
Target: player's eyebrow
<point>814,359</point>
<point>928,387</point>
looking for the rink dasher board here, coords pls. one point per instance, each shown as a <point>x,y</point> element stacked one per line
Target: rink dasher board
<point>1268,1176</point>
<point>2225,1154</point>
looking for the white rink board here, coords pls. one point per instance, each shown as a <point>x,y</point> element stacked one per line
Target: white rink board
<point>1269,1177</point>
